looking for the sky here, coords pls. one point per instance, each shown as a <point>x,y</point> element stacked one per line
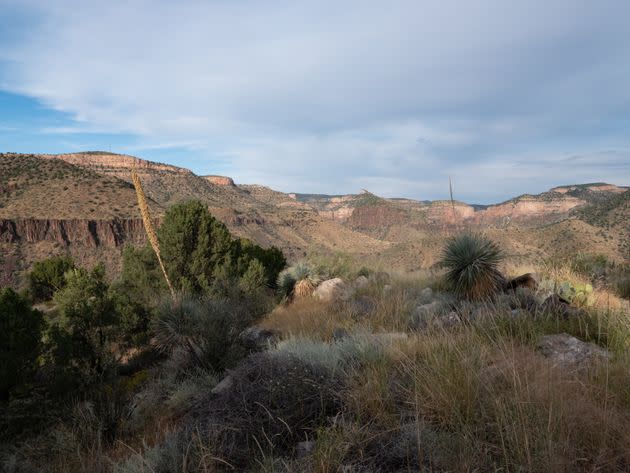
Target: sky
<point>329,96</point>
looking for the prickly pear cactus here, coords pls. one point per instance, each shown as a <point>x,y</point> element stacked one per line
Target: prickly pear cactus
<point>577,294</point>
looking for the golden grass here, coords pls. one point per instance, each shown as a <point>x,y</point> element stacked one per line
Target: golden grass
<point>304,288</point>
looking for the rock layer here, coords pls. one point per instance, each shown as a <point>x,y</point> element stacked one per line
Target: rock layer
<point>82,232</point>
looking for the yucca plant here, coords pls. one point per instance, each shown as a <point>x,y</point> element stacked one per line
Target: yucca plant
<point>299,280</point>
<point>472,264</point>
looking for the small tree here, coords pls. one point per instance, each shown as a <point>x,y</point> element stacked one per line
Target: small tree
<point>20,340</point>
<point>90,319</point>
<point>47,276</point>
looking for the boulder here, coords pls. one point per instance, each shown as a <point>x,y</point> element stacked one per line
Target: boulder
<point>258,338</point>
<point>528,280</point>
<point>361,282</point>
<point>422,315</point>
<point>331,290</point>
<point>563,349</point>
<point>560,307</point>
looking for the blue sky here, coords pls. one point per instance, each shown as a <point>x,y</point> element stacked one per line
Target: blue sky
<point>331,97</point>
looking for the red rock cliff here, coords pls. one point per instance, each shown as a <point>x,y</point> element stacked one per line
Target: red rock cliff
<point>81,232</point>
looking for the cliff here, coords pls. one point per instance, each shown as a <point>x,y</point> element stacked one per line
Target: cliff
<point>81,232</point>
<point>114,163</point>
<point>220,180</point>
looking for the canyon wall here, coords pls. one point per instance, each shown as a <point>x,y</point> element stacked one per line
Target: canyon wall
<point>70,232</point>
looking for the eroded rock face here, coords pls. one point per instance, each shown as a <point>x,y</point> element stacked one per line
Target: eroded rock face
<point>220,180</point>
<point>563,349</point>
<point>111,161</point>
<point>82,232</point>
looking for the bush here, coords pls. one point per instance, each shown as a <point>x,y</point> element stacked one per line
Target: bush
<point>200,257</point>
<point>276,400</point>
<point>20,336</point>
<point>47,276</point>
<point>90,323</point>
<point>472,261</point>
<point>206,329</point>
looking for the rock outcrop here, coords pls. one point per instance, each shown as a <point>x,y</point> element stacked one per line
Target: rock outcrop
<point>102,161</point>
<point>565,350</point>
<point>220,180</point>
<point>82,232</point>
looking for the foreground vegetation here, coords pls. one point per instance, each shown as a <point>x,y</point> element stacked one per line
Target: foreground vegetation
<point>441,370</point>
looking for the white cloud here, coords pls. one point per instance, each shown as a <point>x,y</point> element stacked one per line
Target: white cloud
<point>323,96</point>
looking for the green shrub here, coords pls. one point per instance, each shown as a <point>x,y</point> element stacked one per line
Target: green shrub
<point>200,256</point>
<point>207,330</point>
<point>472,262</point>
<point>20,336</point>
<point>47,276</point>
<point>89,322</point>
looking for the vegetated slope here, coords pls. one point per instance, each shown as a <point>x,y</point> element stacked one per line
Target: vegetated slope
<point>611,216</point>
<point>404,233</point>
<point>80,202</point>
<point>31,187</point>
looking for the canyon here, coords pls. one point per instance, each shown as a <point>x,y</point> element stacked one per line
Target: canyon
<point>84,204</point>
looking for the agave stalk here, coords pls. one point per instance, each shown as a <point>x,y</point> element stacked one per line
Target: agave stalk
<point>149,229</point>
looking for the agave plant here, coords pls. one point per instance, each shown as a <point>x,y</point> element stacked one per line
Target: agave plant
<point>299,280</point>
<point>472,262</point>
<point>180,324</point>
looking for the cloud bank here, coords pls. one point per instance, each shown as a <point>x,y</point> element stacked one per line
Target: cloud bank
<point>325,96</point>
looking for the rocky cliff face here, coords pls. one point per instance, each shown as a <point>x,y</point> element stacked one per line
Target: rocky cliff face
<point>370,217</point>
<point>220,180</point>
<point>114,163</point>
<point>81,232</point>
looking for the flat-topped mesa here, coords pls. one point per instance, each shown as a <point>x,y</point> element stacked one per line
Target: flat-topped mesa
<point>595,187</point>
<point>102,161</point>
<point>220,180</point>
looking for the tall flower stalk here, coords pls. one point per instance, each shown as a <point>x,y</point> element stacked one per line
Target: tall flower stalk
<point>148,227</point>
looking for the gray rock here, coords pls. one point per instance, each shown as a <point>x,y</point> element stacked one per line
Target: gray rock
<point>563,349</point>
<point>304,449</point>
<point>258,338</point>
<point>331,290</point>
<point>361,282</point>
<point>423,314</point>
<point>426,294</point>
<point>561,307</point>
<point>224,385</point>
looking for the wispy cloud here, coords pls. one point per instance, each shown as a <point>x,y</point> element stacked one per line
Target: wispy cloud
<point>331,97</point>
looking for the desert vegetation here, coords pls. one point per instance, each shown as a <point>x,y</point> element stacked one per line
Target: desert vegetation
<point>320,366</point>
